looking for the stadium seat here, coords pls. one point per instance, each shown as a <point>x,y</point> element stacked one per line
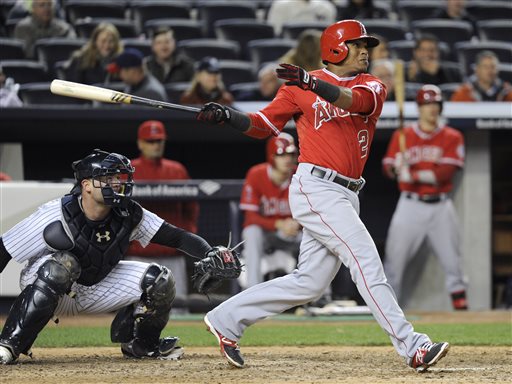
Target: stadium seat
<point>51,50</point>
<point>505,72</point>
<point>143,45</point>
<point>467,52</point>
<point>81,9</point>
<point>495,30</point>
<point>11,49</point>
<point>403,49</point>
<point>412,10</point>
<point>25,71</point>
<point>175,90</point>
<point>10,25</point>
<point>447,89</point>
<point>39,93</point>
<point>292,30</point>
<point>265,50</point>
<point>5,8</point>
<point>449,31</point>
<point>211,11</point>
<point>84,27</point>
<point>490,10</point>
<point>243,31</point>
<point>381,9</point>
<point>221,49</point>
<point>243,89</point>
<point>390,30</point>
<point>183,28</point>
<point>144,10</point>
<point>236,71</point>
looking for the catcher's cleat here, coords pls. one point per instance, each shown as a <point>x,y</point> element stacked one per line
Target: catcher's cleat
<point>228,348</point>
<point>166,350</point>
<point>428,354</point>
<point>6,356</point>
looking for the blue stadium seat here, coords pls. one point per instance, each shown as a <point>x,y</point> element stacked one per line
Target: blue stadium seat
<point>236,71</point>
<point>183,28</point>
<point>221,49</point>
<point>81,9</point>
<point>490,10</point>
<point>84,27</point>
<point>467,52</point>
<point>11,49</point>
<point>265,50</point>
<point>291,30</point>
<point>390,30</point>
<point>211,11</point>
<point>144,10</point>
<point>51,50</point>
<point>495,30</point>
<point>25,71</point>
<point>412,10</point>
<point>39,93</point>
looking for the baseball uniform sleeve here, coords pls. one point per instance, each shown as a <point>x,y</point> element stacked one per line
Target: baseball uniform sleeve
<point>454,151</point>
<point>148,226</point>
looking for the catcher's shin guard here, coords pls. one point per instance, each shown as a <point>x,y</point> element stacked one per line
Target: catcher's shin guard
<point>35,306</point>
<point>140,324</point>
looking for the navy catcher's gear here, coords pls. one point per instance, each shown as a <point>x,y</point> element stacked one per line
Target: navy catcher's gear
<point>35,306</point>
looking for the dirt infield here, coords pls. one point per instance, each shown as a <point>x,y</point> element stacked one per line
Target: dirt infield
<point>266,365</point>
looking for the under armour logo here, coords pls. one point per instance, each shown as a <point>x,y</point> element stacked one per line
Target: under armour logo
<point>100,237</point>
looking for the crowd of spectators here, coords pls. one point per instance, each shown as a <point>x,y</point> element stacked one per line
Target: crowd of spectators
<point>106,56</point>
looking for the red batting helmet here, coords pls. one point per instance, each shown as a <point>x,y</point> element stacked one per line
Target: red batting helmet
<point>332,42</point>
<point>284,143</point>
<point>429,94</point>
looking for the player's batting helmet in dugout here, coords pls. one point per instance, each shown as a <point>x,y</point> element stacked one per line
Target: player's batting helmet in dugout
<point>284,143</point>
<point>333,41</point>
<point>429,93</point>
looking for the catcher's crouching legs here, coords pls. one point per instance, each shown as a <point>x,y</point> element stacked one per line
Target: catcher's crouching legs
<point>36,305</point>
<point>138,326</point>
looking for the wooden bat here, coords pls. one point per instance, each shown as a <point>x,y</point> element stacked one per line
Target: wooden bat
<point>89,92</point>
<point>400,100</point>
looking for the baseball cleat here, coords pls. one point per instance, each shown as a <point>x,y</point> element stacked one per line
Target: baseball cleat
<point>428,354</point>
<point>228,348</point>
<point>6,356</point>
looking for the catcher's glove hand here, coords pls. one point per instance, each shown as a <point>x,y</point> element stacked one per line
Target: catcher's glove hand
<point>220,263</point>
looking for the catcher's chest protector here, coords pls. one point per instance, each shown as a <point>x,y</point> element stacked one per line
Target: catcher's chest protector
<point>98,246</point>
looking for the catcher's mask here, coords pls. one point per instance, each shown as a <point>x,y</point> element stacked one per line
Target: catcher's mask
<point>111,172</point>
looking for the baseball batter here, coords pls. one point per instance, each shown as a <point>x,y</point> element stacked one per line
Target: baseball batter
<point>335,110</point>
<point>271,236</point>
<point>425,172</point>
<point>74,246</point>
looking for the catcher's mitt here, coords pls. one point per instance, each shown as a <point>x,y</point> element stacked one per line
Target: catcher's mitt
<point>220,263</point>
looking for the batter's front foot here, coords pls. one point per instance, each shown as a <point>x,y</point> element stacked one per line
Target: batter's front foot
<point>228,348</point>
<point>428,354</point>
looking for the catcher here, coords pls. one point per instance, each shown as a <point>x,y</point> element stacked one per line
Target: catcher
<point>74,246</point>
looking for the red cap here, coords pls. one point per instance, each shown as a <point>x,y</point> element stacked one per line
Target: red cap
<point>152,130</point>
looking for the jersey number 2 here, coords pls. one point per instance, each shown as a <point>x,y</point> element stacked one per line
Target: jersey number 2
<point>362,136</point>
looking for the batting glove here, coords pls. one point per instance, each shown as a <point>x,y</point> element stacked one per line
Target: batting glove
<point>214,113</point>
<point>297,76</point>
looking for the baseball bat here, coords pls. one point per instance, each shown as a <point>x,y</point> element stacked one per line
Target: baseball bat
<point>89,92</point>
<point>400,100</point>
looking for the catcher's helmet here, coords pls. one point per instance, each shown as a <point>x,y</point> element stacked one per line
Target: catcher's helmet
<point>429,93</point>
<point>333,41</point>
<point>284,143</point>
<point>111,172</point>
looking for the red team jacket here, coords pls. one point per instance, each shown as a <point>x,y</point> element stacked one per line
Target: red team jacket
<point>262,200</point>
<point>330,137</point>
<point>429,151</point>
<point>181,214</point>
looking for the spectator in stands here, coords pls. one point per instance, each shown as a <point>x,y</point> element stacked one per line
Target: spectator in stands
<point>166,63</point>
<point>8,92</point>
<point>361,9</point>
<point>284,11</point>
<point>88,65</point>
<point>268,84</point>
<point>381,51</point>
<point>207,85</point>
<point>271,235</point>
<point>39,24</point>
<point>426,66</point>
<point>384,69</point>
<point>455,10</point>
<point>4,177</point>
<point>307,52</point>
<point>129,65</point>
<point>151,166</point>
<point>484,84</point>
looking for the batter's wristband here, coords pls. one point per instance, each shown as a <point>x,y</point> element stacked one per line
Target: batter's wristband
<point>326,90</point>
<point>239,120</point>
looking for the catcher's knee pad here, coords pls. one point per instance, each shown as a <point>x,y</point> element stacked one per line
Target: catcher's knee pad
<point>158,288</point>
<point>35,306</point>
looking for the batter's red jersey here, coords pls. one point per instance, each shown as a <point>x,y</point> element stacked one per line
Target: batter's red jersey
<point>263,201</point>
<point>182,214</point>
<point>425,151</point>
<point>328,136</point>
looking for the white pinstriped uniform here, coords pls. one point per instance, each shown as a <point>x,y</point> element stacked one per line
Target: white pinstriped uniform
<point>119,288</point>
